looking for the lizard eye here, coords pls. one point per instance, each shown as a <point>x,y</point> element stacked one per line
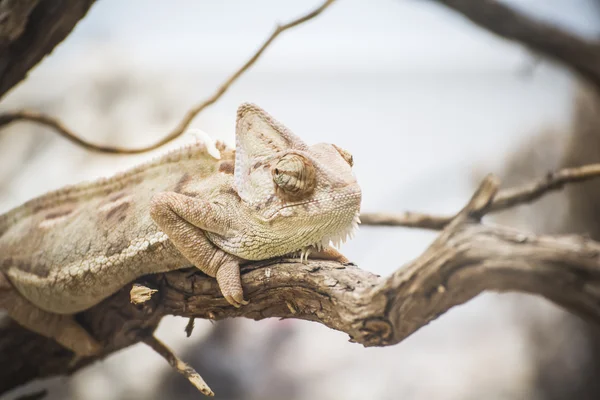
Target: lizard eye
<point>347,156</point>
<point>294,175</point>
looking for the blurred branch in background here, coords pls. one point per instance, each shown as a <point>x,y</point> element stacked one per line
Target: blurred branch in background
<point>505,199</point>
<point>575,52</point>
<point>59,127</point>
<point>564,347</point>
<point>30,30</point>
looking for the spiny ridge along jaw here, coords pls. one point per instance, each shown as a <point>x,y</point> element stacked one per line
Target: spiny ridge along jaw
<point>335,239</point>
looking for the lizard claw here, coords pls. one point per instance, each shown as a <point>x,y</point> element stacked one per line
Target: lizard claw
<point>236,299</point>
<point>228,277</point>
<point>244,302</point>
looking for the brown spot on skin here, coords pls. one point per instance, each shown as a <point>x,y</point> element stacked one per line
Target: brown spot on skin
<point>270,200</point>
<point>154,247</point>
<point>182,183</point>
<point>226,167</point>
<point>58,213</point>
<point>231,191</point>
<point>221,146</point>
<point>266,140</point>
<point>118,212</point>
<point>35,269</point>
<point>116,249</point>
<point>116,196</point>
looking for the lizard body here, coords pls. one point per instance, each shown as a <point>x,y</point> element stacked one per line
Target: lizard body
<point>88,228</point>
<point>67,250</point>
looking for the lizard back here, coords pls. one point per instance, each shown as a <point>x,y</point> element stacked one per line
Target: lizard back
<point>69,237</point>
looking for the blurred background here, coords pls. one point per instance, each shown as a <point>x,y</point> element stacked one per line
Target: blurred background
<point>425,101</point>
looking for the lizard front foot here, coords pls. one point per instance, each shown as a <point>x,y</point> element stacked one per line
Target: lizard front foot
<point>228,277</point>
<point>185,219</point>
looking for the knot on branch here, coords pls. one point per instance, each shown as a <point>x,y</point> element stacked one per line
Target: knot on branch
<point>140,294</point>
<point>376,331</point>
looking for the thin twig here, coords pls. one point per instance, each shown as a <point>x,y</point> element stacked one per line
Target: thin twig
<point>140,293</point>
<point>60,128</point>
<point>505,199</point>
<point>189,328</point>
<point>178,365</point>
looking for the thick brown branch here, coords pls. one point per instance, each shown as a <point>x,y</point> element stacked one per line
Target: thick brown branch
<point>60,128</point>
<point>506,198</point>
<point>374,311</point>
<point>576,52</point>
<point>30,30</point>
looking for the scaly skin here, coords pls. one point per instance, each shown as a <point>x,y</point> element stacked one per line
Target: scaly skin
<point>70,249</point>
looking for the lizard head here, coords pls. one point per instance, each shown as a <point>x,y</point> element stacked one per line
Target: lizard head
<point>294,196</point>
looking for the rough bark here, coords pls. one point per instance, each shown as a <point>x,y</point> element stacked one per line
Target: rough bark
<point>466,259</point>
<point>30,30</point>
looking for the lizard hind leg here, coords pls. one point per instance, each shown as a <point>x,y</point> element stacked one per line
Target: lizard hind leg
<point>62,328</point>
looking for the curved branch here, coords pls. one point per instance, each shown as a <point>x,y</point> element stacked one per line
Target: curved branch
<point>507,198</point>
<point>60,128</point>
<point>574,51</point>
<point>465,260</point>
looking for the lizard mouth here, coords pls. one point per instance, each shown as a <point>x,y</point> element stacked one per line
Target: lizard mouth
<point>334,239</point>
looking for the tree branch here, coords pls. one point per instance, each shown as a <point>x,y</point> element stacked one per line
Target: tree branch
<point>505,199</point>
<point>466,259</point>
<point>581,55</point>
<point>31,29</point>
<point>60,128</point>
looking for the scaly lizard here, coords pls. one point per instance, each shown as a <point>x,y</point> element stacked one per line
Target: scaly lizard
<point>66,251</point>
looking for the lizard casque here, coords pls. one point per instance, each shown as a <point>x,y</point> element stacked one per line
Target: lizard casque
<point>66,251</point>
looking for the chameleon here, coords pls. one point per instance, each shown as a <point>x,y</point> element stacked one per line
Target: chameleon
<point>210,207</point>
